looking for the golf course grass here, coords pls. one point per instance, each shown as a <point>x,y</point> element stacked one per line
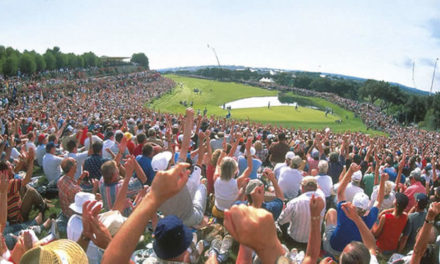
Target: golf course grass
<point>214,94</point>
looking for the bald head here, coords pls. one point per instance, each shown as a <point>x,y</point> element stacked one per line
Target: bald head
<point>68,166</point>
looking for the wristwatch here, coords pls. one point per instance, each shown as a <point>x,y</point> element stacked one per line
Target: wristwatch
<point>429,222</point>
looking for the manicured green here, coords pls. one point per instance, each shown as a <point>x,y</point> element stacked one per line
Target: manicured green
<point>215,94</point>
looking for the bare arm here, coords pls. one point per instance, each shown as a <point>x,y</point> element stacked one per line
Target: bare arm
<point>165,185</point>
<point>377,228</point>
<point>381,192</point>
<point>347,177</point>
<point>314,243</point>
<point>186,134</point>
<point>271,176</point>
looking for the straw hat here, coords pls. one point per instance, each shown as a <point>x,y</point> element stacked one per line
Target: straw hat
<point>56,252</point>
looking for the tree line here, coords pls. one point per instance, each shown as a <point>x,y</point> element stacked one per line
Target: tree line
<point>13,62</point>
<point>407,108</point>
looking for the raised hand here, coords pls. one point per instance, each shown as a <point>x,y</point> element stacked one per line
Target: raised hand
<point>168,183</point>
<point>316,205</point>
<point>92,227</point>
<point>350,211</point>
<point>4,181</point>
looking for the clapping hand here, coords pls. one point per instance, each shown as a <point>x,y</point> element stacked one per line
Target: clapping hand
<point>92,227</point>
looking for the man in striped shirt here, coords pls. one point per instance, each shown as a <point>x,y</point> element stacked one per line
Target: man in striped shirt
<point>297,212</point>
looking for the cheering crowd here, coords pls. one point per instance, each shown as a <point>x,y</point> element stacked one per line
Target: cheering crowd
<point>135,185</point>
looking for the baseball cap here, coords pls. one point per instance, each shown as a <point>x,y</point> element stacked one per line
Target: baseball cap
<point>361,201</point>
<point>297,161</point>
<point>357,176</point>
<point>422,200</point>
<point>41,137</point>
<point>315,154</point>
<point>252,185</point>
<point>171,237</point>
<point>161,160</point>
<point>290,155</point>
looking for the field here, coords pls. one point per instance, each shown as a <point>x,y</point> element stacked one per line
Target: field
<point>215,94</point>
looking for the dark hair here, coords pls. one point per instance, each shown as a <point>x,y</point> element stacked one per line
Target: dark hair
<point>3,165</point>
<point>141,138</point>
<point>71,144</point>
<point>119,136</point>
<point>358,254</point>
<point>51,138</point>
<point>97,147</point>
<point>147,149</point>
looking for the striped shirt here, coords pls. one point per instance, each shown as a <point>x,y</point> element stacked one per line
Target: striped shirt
<point>14,201</point>
<point>110,191</point>
<point>297,213</point>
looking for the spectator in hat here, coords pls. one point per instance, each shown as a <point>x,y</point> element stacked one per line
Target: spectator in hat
<point>217,141</point>
<point>415,187</point>
<point>414,223</point>
<point>254,192</point>
<point>75,225</point>
<point>297,213</point>
<point>340,230</point>
<point>286,163</point>
<point>41,148</point>
<point>59,251</point>
<point>290,178</point>
<point>171,241</point>
<point>391,225</point>
<point>152,137</point>
<point>51,164</point>
<point>353,187</point>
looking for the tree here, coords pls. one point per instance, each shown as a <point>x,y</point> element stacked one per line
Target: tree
<point>27,64</point>
<point>90,59</point>
<point>374,90</point>
<point>49,58</point>
<point>141,59</point>
<point>40,62</point>
<point>60,60</point>
<point>2,51</point>
<point>10,66</point>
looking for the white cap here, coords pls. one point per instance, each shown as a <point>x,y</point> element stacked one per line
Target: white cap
<point>113,220</point>
<point>80,199</point>
<point>161,160</point>
<point>252,150</point>
<point>357,176</point>
<point>290,155</point>
<point>361,201</point>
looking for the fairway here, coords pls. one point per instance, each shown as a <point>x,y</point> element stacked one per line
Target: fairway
<point>214,94</point>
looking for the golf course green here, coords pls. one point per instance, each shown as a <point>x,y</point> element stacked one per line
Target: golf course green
<point>214,94</point>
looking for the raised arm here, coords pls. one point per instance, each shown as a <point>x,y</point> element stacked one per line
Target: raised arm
<point>347,177</point>
<point>121,197</point>
<point>381,193</point>
<point>314,244</point>
<point>30,166</point>
<point>165,185</point>
<point>271,176</point>
<point>424,234</point>
<point>367,237</point>
<point>247,172</point>
<point>187,128</point>
<point>400,169</point>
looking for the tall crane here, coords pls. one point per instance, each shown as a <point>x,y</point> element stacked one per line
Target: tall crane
<point>433,75</point>
<point>215,54</point>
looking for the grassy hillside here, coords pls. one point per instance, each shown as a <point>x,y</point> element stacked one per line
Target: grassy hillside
<point>215,94</point>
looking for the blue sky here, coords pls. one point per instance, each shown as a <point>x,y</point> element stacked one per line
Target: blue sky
<point>371,39</point>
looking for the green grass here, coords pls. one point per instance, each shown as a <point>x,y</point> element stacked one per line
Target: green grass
<point>215,94</point>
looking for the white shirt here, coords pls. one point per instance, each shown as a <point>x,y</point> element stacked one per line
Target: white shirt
<point>74,230</point>
<point>325,183</point>
<point>94,139</point>
<point>194,181</point>
<point>350,191</point>
<point>297,213</point>
<point>80,158</point>
<point>388,201</point>
<point>226,193</point>
<point>108,144</point>
<point>52,166</point>
<point>290,182</point>
<point>30,145</point>
<point>277,169</point>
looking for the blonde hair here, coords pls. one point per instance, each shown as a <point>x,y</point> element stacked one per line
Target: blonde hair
<point>228,167</point>
<point>258,145</point>
<point>215,156</point>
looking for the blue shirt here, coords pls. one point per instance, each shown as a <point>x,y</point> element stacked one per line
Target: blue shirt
<point>275,206</point>
<point>145,163</point>
<point>242,165</point>
<point>346,230</point>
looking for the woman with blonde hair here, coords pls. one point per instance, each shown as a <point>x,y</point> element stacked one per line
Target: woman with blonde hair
<point>226,186</point>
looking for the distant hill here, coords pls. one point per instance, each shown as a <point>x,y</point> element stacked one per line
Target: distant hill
<point>407,89</point>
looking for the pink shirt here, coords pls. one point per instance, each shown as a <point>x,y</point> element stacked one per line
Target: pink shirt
<point>411,192</point>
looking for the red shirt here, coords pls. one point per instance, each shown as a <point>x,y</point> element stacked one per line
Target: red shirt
<point>67,188</point>
<point>411,192</point>
<point>210,170</point>
<point>131,146</point>
<point>138,150</point>
<point>14,201</point>
<point>391,231</point>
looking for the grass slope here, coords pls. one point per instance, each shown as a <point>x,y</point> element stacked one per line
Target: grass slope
<point>214,94</point>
